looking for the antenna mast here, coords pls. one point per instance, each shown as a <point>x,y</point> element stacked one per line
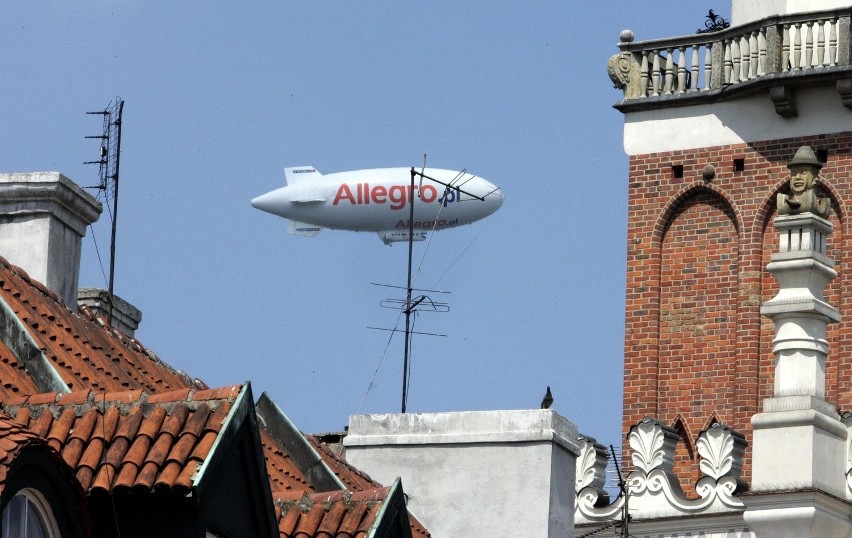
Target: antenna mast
<point>109,166</point>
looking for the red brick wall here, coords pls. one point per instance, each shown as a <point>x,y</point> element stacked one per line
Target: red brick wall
<point>696,348</point>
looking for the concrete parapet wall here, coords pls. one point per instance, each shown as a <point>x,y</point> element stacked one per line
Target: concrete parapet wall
<point>489,473</point>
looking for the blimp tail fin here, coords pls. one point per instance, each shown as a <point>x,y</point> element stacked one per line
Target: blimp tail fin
<point>302,228</point>
<point>300,173</point>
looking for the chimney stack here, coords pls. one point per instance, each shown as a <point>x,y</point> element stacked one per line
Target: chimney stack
<point>512,470</point>
<point>125,316</point>
<point>43,218</point>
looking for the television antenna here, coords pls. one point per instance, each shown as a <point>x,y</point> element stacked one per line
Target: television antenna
<point>108,171</point>
<point>420,303</point>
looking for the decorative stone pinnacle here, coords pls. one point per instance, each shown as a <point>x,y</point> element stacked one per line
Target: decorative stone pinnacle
<point>799,310</point>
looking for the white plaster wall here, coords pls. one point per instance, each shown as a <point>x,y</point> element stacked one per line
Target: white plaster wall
<point>30,254</point>
<point>64,246</point>
<point>747,119</point>
<point>490,473</point>
<point>746,11</point>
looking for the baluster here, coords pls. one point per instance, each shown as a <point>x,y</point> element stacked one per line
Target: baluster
<point>745,58</point>
<point>667,90</point>
<point>735,56</point>
<point>643,75</point>
<point>729,63</point>
<point>832,43</point>
<point>752,47</point>
<point>681,70</point>
<point>797,47</point>
<point>655,75</point>
<point>693,73</point>
<point>820,46</point>
<point>761,55</point>
<point>809,47</point>
<point>708,65</point>
<point>785,49</point>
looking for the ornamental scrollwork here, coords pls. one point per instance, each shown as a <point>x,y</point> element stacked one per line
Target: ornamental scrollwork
<point>653,445</point>
<point>721,450</point>
<point>653,488</point>
<point>618,67</point>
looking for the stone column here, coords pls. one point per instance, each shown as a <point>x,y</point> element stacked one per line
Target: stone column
<point>798,452</point>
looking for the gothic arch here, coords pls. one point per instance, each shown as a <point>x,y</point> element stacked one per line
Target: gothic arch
<point>712,419</point>
<point>677,203</point>
<point>698,245</point>
<point>686,439</point>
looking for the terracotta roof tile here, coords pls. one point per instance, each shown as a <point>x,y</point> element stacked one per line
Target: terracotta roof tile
<point>221,393</point>
<point>151,425</point>
<point>187,474</point>
<point>79,397</point>
<point>41,425</point>
<point>123,440</point>
<point>46,397</point>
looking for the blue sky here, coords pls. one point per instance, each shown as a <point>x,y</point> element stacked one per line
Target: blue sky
<point>220,97</point>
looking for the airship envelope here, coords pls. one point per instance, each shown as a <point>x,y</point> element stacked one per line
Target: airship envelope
<point>380,200</point>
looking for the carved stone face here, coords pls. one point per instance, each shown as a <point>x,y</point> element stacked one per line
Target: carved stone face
<point>802,178</point>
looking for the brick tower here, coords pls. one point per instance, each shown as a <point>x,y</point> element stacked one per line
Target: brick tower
<point>711,121</point>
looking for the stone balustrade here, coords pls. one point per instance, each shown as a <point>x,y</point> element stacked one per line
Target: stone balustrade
<point>708,64</point>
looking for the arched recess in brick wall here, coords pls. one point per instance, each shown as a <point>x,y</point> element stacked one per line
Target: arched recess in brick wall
<point>712,419</point>
<point>684,455</point>
<point>838,380</point>
<point>699,244</point>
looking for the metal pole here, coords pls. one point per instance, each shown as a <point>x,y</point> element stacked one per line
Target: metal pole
<point>408,292</point>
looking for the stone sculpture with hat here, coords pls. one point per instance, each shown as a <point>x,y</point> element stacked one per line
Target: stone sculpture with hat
<point>804,173</point>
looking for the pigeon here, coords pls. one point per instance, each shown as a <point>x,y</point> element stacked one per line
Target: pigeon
<point>547,401</point>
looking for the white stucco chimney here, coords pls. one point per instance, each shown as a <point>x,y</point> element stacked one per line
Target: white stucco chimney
<point>43,218</point>
<point>477,473</point>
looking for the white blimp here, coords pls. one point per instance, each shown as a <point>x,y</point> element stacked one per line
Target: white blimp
<point>380,200</point>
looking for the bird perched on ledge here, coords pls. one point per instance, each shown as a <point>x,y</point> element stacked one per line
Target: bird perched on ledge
<point>547,401</point>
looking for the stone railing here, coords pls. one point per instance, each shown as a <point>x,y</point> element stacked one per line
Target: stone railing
<point>701,64</point>
<point>653,490</point>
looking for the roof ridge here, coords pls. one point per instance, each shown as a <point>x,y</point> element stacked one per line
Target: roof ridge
<point>83,400</point>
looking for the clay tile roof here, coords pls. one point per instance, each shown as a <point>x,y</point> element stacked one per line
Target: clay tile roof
<point>127,439</point>
<point>289,486</point>
<point>85,352</point>
<point>283,473</point>
<point>13,377</point>
<point>354,479</point>
<point>13,438</point>
<point>337,514</point>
